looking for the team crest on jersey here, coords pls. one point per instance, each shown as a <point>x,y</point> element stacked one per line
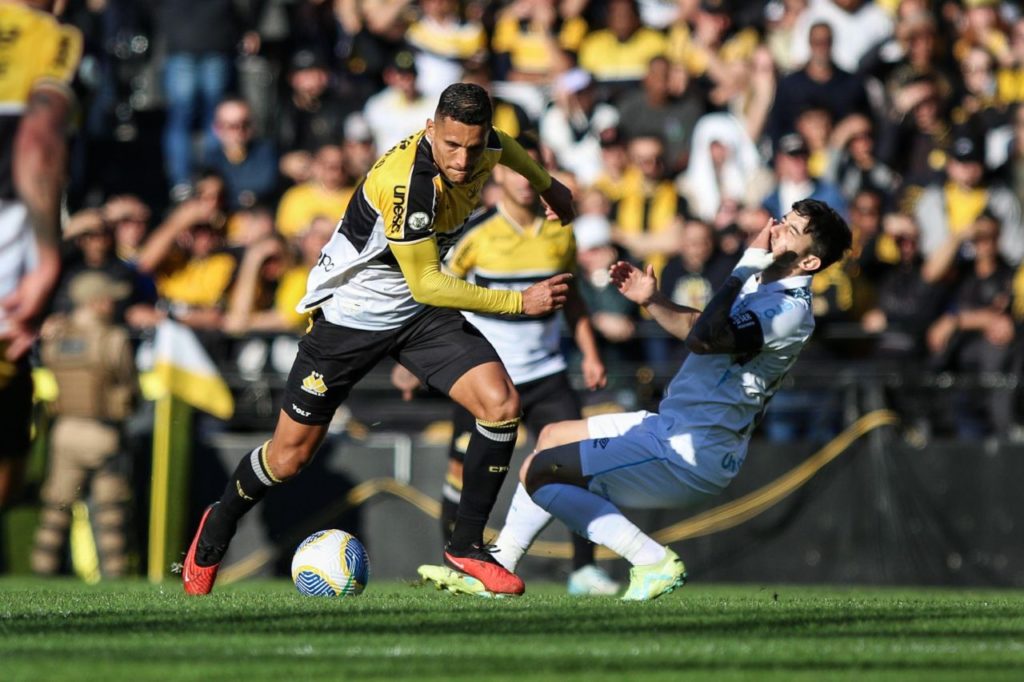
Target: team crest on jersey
<point>314,384</point>
<point>419,221</point>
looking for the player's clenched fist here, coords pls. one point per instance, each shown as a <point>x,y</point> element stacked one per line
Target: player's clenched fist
<point>546,296</point>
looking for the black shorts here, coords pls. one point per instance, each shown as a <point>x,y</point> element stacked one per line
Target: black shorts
<point>16,412</point>
<point>438,345</point>
<point>544,401</point>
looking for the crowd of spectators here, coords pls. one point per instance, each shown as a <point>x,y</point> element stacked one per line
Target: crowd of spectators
<point>222,139</point>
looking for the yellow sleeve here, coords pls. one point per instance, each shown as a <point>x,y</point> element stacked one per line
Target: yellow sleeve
<point>66,53</point>
<point>515,157</point>
<point>429,285</point>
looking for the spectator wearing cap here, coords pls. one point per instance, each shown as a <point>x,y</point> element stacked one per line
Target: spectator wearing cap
<point>613,317</point>
<point>858,25</point>
<point>89,248</point>
<point>653,112</point>
<point>793,180</point>
<point>327,193</point>
<point>819,84</point>
<point>573,125</point>
<point>948,208</point>
<point>617,55</point>
<point>444,43</point>
<point>247,163</point>
<point>401,108</point>
<point>312,114</point>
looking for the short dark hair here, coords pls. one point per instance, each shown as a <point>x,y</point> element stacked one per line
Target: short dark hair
<point>466,103</point>
<point>831,236</point>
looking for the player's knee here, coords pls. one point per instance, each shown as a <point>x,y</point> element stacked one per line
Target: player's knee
<point>549,436</point>
<point>499,403</point>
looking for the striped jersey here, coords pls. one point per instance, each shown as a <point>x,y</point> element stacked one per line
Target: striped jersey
<point>497,253</point>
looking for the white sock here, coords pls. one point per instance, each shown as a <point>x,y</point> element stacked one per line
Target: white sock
<point>525,520</point>
<point>598,520</point>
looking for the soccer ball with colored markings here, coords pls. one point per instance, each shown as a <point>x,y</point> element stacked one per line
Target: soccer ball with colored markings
<point>331,563</point>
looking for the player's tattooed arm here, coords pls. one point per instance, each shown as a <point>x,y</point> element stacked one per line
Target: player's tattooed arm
<point>717,330</point>
<point>40,155</point>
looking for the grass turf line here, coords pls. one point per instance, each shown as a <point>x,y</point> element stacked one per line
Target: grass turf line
<point>266,631</point>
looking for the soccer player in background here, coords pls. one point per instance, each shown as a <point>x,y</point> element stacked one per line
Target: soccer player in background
<point>511,246</point>
<point>378,291</point>
<point>40,57</point>
<point>742,344</point>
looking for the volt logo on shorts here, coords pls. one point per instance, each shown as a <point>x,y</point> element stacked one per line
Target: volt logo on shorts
<point>314,384</point>
<point>299,410</point>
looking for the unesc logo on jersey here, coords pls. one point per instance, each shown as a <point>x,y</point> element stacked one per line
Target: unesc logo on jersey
<point>314,384</point>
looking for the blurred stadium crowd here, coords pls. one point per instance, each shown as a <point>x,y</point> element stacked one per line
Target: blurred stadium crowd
<point>220,141</point>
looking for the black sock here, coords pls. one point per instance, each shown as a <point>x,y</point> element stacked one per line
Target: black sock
<point>247,486</point>
<point>487,457</point>
<point>451,493</point>
<point>582,552</point>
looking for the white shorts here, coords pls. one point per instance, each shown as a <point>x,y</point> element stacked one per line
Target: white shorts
<point>631,465</point>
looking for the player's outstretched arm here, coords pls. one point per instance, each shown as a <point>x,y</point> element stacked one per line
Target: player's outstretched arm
<point>641,287</point>
<point>429,285</point>
<point>717,330</point>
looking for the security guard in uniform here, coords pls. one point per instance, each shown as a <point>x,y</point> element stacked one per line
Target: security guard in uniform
<point>92,361</point>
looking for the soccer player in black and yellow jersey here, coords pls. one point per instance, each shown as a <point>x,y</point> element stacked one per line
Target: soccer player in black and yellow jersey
<point>378,291</point>
<point>38,59</point>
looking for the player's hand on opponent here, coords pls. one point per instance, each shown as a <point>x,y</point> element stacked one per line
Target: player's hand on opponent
<point>639,286</point>
<point>558,203</point>
<point>546,296</point>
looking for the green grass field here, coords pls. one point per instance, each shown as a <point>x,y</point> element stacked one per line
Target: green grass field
<point>63,630</point>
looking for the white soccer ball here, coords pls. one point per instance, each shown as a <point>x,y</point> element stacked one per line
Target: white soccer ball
<point>331,563</point>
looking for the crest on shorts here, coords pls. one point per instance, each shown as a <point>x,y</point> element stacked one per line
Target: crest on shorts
<point>419,221</point>
<point>314,384</point>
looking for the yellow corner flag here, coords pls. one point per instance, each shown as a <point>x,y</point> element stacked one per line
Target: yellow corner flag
<point>183,369</point>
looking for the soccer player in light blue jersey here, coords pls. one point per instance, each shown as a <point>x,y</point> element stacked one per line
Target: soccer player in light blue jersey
<point>742,345</point>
